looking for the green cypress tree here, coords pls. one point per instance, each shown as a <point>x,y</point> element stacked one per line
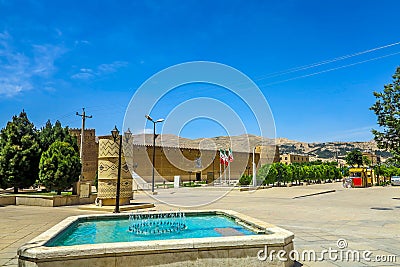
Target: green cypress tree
<point>19,153</point>
<point>49,134</point>
<point>59,166</point>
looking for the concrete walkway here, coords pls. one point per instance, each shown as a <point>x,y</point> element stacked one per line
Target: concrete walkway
<point>367,219</point>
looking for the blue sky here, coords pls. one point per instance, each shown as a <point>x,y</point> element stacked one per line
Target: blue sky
<point>59,56</point>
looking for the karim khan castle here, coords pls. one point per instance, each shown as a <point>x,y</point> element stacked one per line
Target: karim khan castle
<point>190,164</point>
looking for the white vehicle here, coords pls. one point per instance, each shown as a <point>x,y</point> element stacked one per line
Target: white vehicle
<point>395,180</point>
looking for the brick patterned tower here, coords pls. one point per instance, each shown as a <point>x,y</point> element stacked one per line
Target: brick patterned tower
<point>108,173</point>
<point>89,154</point>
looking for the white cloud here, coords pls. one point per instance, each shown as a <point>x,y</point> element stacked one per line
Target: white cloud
<point>113,67</point>
<point>83,42</point>
<point>44,59</point>
<point>101,70</point>
<point>17,70</point>
<point>83,76</point>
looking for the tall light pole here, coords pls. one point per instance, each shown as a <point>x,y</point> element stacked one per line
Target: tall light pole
<point>115,135</point>
<point>154,147</point>
<point>84,117</point>
<point>76,187</point>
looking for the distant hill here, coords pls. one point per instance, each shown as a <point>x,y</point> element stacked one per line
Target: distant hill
<point>328,150</point>
<point>244,143</point>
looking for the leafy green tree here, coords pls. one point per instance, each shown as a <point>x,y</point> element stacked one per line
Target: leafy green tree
<point>271,177</point>
<point>296,172</point>
<point>288,174</point>
<point>354,158</point>
<point>267,174</point>
<point>345,171</point>
<point>245,179</point>
<point>49,134</point>
<point>96,180</point>
<point>317,172</point>
<point>337,174</point>
<point>388,170</point>
<point>387,110</point>
<point>263,172</point>
<point>308,172</point>
<point>314,171</point>
<point>19,153</point>
<point>59,166</point>
<point>325,171</point>
<point>282,173</point>
<point>366,161</point>
<point>303,172</point>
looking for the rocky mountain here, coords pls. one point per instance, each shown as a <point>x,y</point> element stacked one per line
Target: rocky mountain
<point>328,150</point>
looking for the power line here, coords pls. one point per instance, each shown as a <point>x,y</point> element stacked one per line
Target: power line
<point>317,64</point>
<point>332,69</point>
<point>324,62</point>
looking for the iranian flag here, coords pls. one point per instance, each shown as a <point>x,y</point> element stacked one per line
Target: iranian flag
<point>230,155</point>
<point>221,157</point>
<point>226,159</point>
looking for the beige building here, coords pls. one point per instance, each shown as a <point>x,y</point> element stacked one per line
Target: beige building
<point>372,157</point>
<point>195,165</point>
<point>293,158</point>
<point>189,163</point>
<point>268,154</point>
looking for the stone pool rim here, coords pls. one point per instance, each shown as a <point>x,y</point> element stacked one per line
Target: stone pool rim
<point>36,250</point>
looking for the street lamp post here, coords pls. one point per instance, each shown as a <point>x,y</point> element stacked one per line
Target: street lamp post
<point>154,147</point>
<point>115,135</point>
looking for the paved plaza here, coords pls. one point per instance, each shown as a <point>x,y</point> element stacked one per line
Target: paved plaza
<point>366,218</point>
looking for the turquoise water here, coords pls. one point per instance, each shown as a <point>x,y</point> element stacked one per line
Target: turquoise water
<point>117,230</point>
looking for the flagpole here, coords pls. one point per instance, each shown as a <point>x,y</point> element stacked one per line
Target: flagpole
<point>225,173</point>
<point>254,169</point>
<point>230,159</point>
<point>229,170</point>
<point>220,173</point>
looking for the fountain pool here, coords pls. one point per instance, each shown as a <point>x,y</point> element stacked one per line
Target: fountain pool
<point>203,238</point>
<point>148,227</point>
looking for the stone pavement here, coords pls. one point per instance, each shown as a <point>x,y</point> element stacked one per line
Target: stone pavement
<point>20,224</point>
<point>366,218</point>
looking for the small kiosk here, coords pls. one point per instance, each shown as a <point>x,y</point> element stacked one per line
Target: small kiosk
<point>362,177</point>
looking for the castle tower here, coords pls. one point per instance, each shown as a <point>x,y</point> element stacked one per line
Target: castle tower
<point>89,153</point>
